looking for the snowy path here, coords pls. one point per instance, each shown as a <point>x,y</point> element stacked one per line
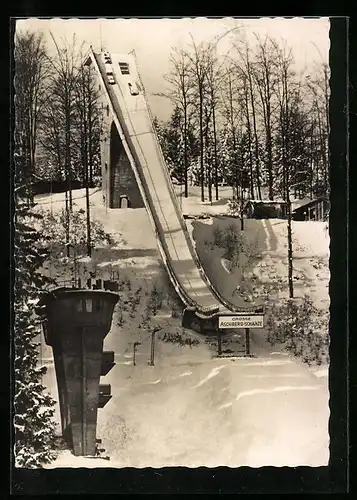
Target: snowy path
<point>213,412</point>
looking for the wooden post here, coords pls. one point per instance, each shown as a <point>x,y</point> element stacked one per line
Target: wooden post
<point>247,342</point>
<point>134,352</point>
<point>83,362</point>
<point>152,348</point>
<point>219,342</point>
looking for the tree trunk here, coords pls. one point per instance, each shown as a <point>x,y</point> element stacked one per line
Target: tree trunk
<point>290,250</point>
<point>257,165</point>
<point>202,150</point>
<point>312,162</point>
<point>67,223</point>
<point>270,161</point>
<point>89,238</point>
<point>68,156</point>
<point>215,154</point>
<point>68,203</point>
<point>285,137</point>
<point>208,157</point>
<point>90,146</point>
<point>288,214</point>
<point>249,145</point>
<point>233,132</point>
<point>209,177</point>
<point>87,156</point>
<point>185,159</point>
<point>269,141</point>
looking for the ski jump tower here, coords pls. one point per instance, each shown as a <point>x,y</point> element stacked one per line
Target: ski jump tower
<point>75,323</point>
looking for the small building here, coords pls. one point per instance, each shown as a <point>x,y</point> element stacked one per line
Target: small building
<point>311,209</point>
<point>265,209</point>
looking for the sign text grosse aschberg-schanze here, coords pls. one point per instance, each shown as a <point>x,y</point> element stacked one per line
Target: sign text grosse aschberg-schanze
<point>241,321</point>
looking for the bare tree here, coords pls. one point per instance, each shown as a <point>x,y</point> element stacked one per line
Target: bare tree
<point>245,66</point>
<point>30,74</point>
<point>61,110</point>
<point>246,108</point>
<point>319,91</point>
<point>266,79</point>
<point>231,110</point>
<point>199,59</point>
<point>88,124</point>
<point>208,145</point>
<point>180,94</point>
<point>215,79</point>
<point>63,81</point>
<point>232,123</point>
<point>288,95</point>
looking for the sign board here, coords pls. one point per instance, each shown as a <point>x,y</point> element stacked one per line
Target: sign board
<point>241,321</point>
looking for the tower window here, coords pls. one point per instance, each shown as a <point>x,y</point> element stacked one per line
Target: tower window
<point>124,68</point>
<point>89,305</point>
<point>107,109</point>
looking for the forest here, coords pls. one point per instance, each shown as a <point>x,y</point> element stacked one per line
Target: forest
<point>57,117</point>
<point>247,119</point>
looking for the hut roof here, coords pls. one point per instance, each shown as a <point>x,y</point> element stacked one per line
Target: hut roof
<point>302,204</point>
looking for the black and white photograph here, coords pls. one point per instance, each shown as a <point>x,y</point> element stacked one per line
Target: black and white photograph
<point>171,242</point>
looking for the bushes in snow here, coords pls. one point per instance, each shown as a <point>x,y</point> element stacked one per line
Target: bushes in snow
<point>231,241</point>
<point>178,338</point>
<point>155,300</point>
<point>237,249</point>
<point>234,208</point>
<point>301,327</point>
<point>140,304</point>
<point>53,225</point>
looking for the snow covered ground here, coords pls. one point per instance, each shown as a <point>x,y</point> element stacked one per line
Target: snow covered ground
<point>268,239</point>
<point>190,408</point>
<point>192,205</point>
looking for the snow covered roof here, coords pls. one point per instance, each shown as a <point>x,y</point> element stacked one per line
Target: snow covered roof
<point>306,202</point>
<point>267,202</point>
<point>297,203</point>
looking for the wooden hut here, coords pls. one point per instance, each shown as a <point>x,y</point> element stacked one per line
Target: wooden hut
<point>311,210</point>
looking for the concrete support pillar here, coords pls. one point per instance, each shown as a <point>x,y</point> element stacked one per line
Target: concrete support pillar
<point>77,323</point>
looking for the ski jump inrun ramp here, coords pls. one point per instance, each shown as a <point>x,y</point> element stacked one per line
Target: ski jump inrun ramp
<point>119,77</point>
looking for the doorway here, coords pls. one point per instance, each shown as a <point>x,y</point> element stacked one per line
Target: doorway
<point>124,201</point>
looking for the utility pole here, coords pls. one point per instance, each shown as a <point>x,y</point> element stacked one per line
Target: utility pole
<point>219,342</point>
<point>247,342</point>
<point>88,222</point>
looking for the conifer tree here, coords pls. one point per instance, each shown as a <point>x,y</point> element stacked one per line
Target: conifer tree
<point>33,407</point>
